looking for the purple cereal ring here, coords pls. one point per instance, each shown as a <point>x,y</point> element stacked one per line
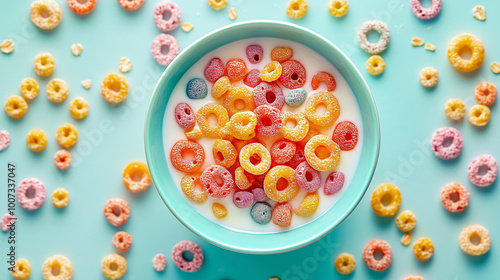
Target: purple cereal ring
<point>184,116</point>
<point>4,140</point>
<point>334,183</point>
<point>193,265</point>
<point>171,23</point>
<point>38,195</point>
<point>438,139</point>
<point>268,94</point>
<point>489,177</point>
<point>173,49</point>
<point>255,53</point>
<point>5,222</point>
<point>426,13</point>
<point>307,177</point>
<point>259,194</point>
<point>269,121</point>
<point>243,199</point>
<point>210,184</point>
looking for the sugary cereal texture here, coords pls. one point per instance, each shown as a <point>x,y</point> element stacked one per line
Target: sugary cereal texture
<point>485,93</point>
<point>429,77</point>
<point>369,255</point>
<point>295,97</point>
<point>252,79</point>
<point>57,90</point>
<point>187,27</point>
<point>323,77</point>
<point>44,64</point>
<point>114,88</point>
<point>36,140</point>
<point>479,12</point>
<point>479,115</point>
<point>6,221</point>
<point>86,84</point>
<point>338,8</point>
<point>221,86</point>
<point>81,8</point>
<point>271,71</point>
<point>122,241</point>
<point>406,221</point>
<point>334,182</point>
<point>345,135</point>
<point>485,180</point>
<point>466,41</point>
<point>67,135</point>
<point>79,108</point>
<point>180,163</point>
<point>495,67</point>
<point>375,65</point>
<point>173,21</point>
<point>29,88</point>
<point>417,42</point>
<point>451,151</point>
<point>464,240</point>
<point>193,134</point>
<point>382,44</point>
<point>184,116</point>
<point>131,5</point>
<point>296,8</point>
<point>322,164</point>
<point>282,214</point>
<point>220,113</point>
<point>114,266</point>
<point>430,47</point>
<point>425,13</point>
<point>4,140</point>
<point>233,14</point>
<point>224,153</point>
<point>242,179</point>
<point>217,4</point>
<point>261,213</point>
<point>282,151</point>
<point>159,262</point>
<point>45,14</point>
<point>15,106</point>
<point>22,269</point>
<point>243,199</point>
<point>62,159</point>
<point>406,239</point>
<point>255,159</point>
<point>394,200</point>
<point>188,187</point>
<point>281,54</point>
<point>423,248</point>
<point>331,113</point>
<point>187,266</point>
<point>168,41</point>
<point>196,88</point>
<point>219,210</point>
<point>125,65</point>
<point>237,95</point>
<point>269,121</point>
<point>214,70</point>
<point>308,206</point>
<point>65,268</point>
<point>259,194</point>
<point>300,130</point>
<point>60,198</point>
<point>307,177</point>
<point>462,197</point>
<point>7,46</point>
<point>242,125</point>
<point>236,69</point>
<point>211,186</point>
<point>116,211</point>
<point>293,74</point>
<point>269,94</point>
<point>278,177</point>
<point>76,49</point>
<point>345,263</point>
<point>255,53</point>
<point>454,109</point>
<point>133,169</point>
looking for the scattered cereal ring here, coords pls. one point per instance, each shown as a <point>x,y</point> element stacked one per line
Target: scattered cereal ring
<point>164,40</point>
<point>462,194</point>
<point>269,94</point>
<point>184,115</point>
<point>243,181</point>
<point>345,263</point>
<point>338,8</point>
<point>224,153</point>
<point>214,70</point>
<point>131,5</point>
<point>332,108</point>
<point>79,108</point>
<point>116,211</point>
<point>36,140</point>
<point>188,187</point>
<point>242,125</point>
<point>36,187</point>
<point>296,8</point>
<point>4,140</point>
<point>259,194</point>
<point>375,65</point>
<point>252,79</point>
<point>282,214</point>
<point>465,41</point>
<point>62,159</point>
<point>44,64</point>
<point>261,213</point>
<point>45,14</point>
<point>173,21</point>
<point>280,184</point>
<point>454,109</point>
<point>406,239</point>
<point>318,163</point>
<point>423,248</point>
<point>222,119</point>
<point>57,90</point>
<point>217,4</point>
<point>196,88</point>
<point>299,131</point>
<point>159,262</point>
<point>345,135</point>
<point>293,74</point>
<point>307,178</point>
<point>485,93</point>
<point>60,198</point>
<point>283,151</point>
<point>58,263</point>
<point>295,97</point>
<point>29,88</point>
<point>479,115</point>
<point>122,241</point>
<point>5,222</point>
<point>425,13</point>
<point>236,69</point>
<point>447,133</point>
<point>114,266</point>
<point>187,266</point>
<point>429,77</point>
<point>392,207</point>
<point>369,255</point>
<point>66,135</point>
<point>255,158</point>
<point>243,199</point>
<point>254,53</point>
<point>334,182</point>
<point>269,121</point>
<point>15,106</point>
<point>483,161</point>
<point>182,164</point>
<point>239,99</point>
<point>219,210</point>
<point>131,171</point>
<point>308,206</point>
<point>211,186</point>
<point>82,7</point>
<point>406,221</point>
<point>221,86</point>
<point>323,77</point>
<point>470,232</point>
<point>22,269</point>
<point>271,72</point>
<point>114,88</point>
<point>281,54</point>
<point>383,42</point>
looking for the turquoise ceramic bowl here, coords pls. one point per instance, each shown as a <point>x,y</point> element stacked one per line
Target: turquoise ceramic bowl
<point>266,242</point>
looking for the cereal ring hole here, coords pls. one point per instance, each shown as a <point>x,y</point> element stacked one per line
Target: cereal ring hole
<point>282,184</point>
<point>256,57</point>
<point>166,14</point>
<point>212,119</point>
<point>373,36</point>
<point>378,254</point>
<point>291,123</point>
<point>270,97</point>
<point>117,211</point>
<point>295,6</point>
<point>137,176</point>
<point>255,159</point>
<point>113,266</point>
<point>218,179</point>
<point>44,13</point>
<point>309,176</point>
<point>447,142</point>
<point>266,121</point>
<point>465,52</point>
<point>320,109</point>
<point>15,105</point>
<point>322,153</point>
<point>82,1</point>
<point>240,104</point>
<point>386,199</point>
<point>425,4</point>
<point>475,239</point>
<point>220,156</point>
<point>338,5</point>
<point>30,193</point>
<point>483,169</point>
<point>56,269</point>
<point>164,49</point>
<point>188,155</point>
<point>454,197</point>
<point>188,256</point>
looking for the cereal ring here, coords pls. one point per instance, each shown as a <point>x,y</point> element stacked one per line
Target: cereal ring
<point>323,77</point>
<point>180,163</point>
<point>57,90</point>
<point>461,193</point>
<point>473,231</point>
<point>236,69</point>
<point>308,206</point>
<point>29,88</point>
<point>4,140</point>
<point>15,106</point>
<point>406,239</point>
<point>217,4</point>
<point>479,115</point>
<point>369,255</point>
<point>242,179</point>
<point>271,72</point>
<point>280,184</point>
<point>447,133</point>
<point>243,199</point>
<point>261,213</point>
<point>219,210</point>
<point>188,187</point>
<point>485,93</point>
<point>36,140</point>
<point>413,278</point>
<point>338,8</point>
<point>295,97</point>
<point>169,42</point>
<point>406,221</point>
<point>133,184</point>
<point>66,135</point>
<point>383,42</point>
<point>193,134</point>
<point>269,121</point>
<point>212,186</point>
<point>37,190</point>
<point>269,94</point>
<point>44,64</point>
<point>297,158</point>
<point>214,70</point>
<point>62,159</point>
<point>293,74</point>
<point>159,262</point>
<point>471,42</point>
<point>45,14</point>
<point>79,108</point>
<point>259,194</point>
<point>5,222</point>
<point>221,86</point>
<point>60,198</point>
<point>296,8</point>
<point>252,79</point>
<point>239,99</point>
<point>167,7</point>
<point>331,113</point>
<point>196,88</point>
<point>220,113</point>
<point>345,263</point>
<point>116,211</point>
<point>82,7</point>
<point>255,158</point>
<point>429,77</point>
<point>224,153</point>
<point>423,248</point>
<point>114,266</point>
<point>58,263</point>
<point>255,54</point>
<point>242,125</point>
<point>131,5</point>
<point>122,241</point>
<point>319,163</point>
<point>281,54</point>
<point>299,131</point>
<point>454,109</point>
<point>22,269</point>
<point>375,65</point>
<point>345,135</point>
<point>334,182</point>
<point>307,178</point>
<point>282,214</point>
<point>184,265</point>
<point>283,151</point>
<point>184,115</point>
<point>114,88</point>
<point>392,207</point>
<point>483,161</point>
<point>425,13</point>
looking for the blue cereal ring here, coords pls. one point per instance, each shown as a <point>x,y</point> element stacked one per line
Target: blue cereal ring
<point>295,97</point>
<point>196,88</point>
<point>261,212</point>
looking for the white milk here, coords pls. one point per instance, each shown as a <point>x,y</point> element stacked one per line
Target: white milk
<point>237,218</point>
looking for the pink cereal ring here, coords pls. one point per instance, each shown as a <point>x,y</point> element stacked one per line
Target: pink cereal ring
<point>369,257</point>
<point>308,178</point>
<point>426,13</point>
<point>268,94</point>
<point>171,23</point>
<point>159,262</point>
<point>269,121</point>
<point>487,179</point>
<point>438,139</point>
<point>334,183</point>
<point>116,211</point>
<point>4,140</point>
<point>62,159</point>
<point>460,191</point>
<point>211,186</point>
<point>131,5</point>
<point>5,222</point>
<point>193,265</point>
<point>173,49</point>
<point>38,197</point>
<point>122,241</point>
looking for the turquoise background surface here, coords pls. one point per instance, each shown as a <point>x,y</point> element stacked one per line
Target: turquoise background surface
<point>112,136</point>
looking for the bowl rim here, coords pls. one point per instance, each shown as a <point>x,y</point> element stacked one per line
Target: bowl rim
<point>317,235</point>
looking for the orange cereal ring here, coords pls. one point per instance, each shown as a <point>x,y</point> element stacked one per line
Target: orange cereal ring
<point>255,158</point>
<point>62,159</point>
<point>242,179</point>
<point>82,7</point>
<point>222,119</point>
<point>221,86</point>
<point>280,183</point>
<point>271,72</point>
<point>131,5</point>
<point>282,214</point>
<point>369,255</point>
<point>485,93</point>
<point>242,125</point>
<point>182,164</point>
<point>239,99</point>
<point>463,197</point>
<point>116,211</point>
<point>122,241</point>
<point>224,153</point>
<point>188,187</point>
<point>300,130</point>
<point>328,160</point>
<point>133,169</point>
<point>471,42</point>
<point>114,87</point>
<point>332,109</point>
<point>281,54</point>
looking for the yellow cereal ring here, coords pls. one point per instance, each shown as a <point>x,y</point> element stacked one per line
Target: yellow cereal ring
<point>325,160</point>
<point>423,248</point>
<point>221,86</point>
<point>479,115</point>
<point>193,134</point>
<point>296,8</point>
<point>454,109</point>
<point>36,140</point>
<point>242,125</point>
<point>44,64</point>
<point>394,200</point>
<point>133,169</point>
<point>242,180</point>
<point>429,77</point>
<point>15,106</point>
<point>406,221</point>
<point>57,90</point>
<point>188,187</point>
<point>464,240</point>
<point>332,109</point>
<point>280,184</point>
<point>338,8</point>
<point>375,65</point>
<point>220,113</point>
<point>219,210</point>
<point>301,126</point>
<point>114,88</point>
<point>345,263</point>
<point>271,72</point>
<point>225,154</point>
<point>57,263</point>
<point>114,266</point>
<point>45,14</point>
<point>22,269</point>
<point>406,239</point>
<point>217,4</point>
<point>308,206</point>
<point>255,159</point>
<point>60,198</point>
<point>29,88</point>
<point>466,41</point>
<point>239,99</point>
<point>66,135</point>
<point>79,108</point>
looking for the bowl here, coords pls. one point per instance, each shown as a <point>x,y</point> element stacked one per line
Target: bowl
<point>240,241</point>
